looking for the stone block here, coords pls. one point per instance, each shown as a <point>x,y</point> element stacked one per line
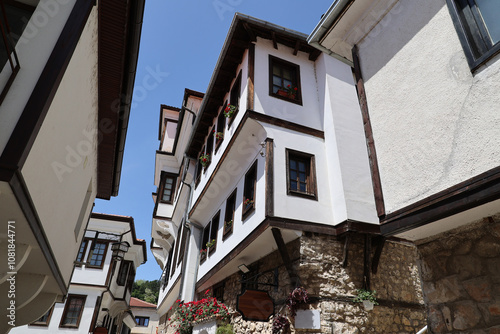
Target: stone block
<point>466,315</point>
<point>445,290</point>
<point>435,320</point>
<point>466,266</point>
<point>479,289</point>
<point>487,247</point>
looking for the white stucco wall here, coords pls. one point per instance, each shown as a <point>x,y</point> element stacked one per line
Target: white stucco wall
<point>153,320</point>
<point>64,152</point>
<point>307,114</point>
<point>33,49</point>
<point>434,123</point>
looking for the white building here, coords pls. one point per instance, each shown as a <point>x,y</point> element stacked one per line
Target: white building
<point>241,198</point>
<point>65,93</point>
<point>428,74</point>
<point>100,290</point>
<point>146,317</point>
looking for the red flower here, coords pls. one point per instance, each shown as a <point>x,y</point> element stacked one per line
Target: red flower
<point>294,88</point>
<point>288,86</point>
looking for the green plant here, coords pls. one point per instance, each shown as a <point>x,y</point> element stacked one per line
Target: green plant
<point>228,224</point>
<point>229,111</point>
<point>203,251</point>
<point>366,295</point>
<point>219,135</point>
<point>248,202</point>
<point>225,329</point>
<point>211,243</point>
<point>205,159</point>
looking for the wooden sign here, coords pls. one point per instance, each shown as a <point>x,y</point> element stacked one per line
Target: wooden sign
<point>100,330</point>
<point>255,305</point>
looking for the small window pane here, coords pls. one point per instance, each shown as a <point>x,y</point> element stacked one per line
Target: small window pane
<point>98,254</point>
<point>490,10</point>
<point>302,166</point>
<point>276,70</point>
<point>303,187</point>
<point>293,184</point>
<point>302,177</point>
<point>293,165</point>
<point>277,81</point>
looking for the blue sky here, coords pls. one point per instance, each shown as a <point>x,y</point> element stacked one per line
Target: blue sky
<point>180,44</point>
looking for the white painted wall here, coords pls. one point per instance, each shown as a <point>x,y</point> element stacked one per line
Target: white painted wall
<point>309,114</point>
<point>65,152</point>
<point>33,49</point>
<point>434,123</point>
<point>153,320</point>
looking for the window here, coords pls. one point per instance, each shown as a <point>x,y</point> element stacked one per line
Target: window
<point>44,320</point>
<point>204,240</point>
<point>199,168</point>
<point>221,126</point>
<point>142,321</point>
<point>210,146</point>
<point>175,247</point>
<point>131,277</point>
<point>73,311</point>
<point>218,292</point>
<point>234,96</point>
<point>284,80</point>
<point>214,227</point>
<point>249,190</point>
<point>97,254</point>
<point>229,215</point>
<point>167,187</point>
<point>182,245</point>
<point>478,27</point>
<point>81,252</point>
<point>301,179</point>
<point>123,273</point>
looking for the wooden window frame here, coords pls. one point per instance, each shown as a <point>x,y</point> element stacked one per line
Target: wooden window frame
<point>46,322</point>
<point>205,237</point>
<point>80,261</point>
<point>182,245</point>
<point>249,185</point>
<point>141,317</point>
<point>220,126</point>
<point>235,97</point>
<point>174,262</point>
<point>214,229</point>
<point>472,33</point>
<point>66,307</point>
<point>131,277</point>
<point>122,276</point>
<point>209,147</point>
<point>89,257</point>
<point>164,177</point>
<point>218,291</point>
<point>311,184</point>
<point>295,68</point>
<point>229,214</point>
<point>199,168</point>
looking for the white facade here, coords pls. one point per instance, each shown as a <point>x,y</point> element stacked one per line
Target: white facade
<point>142,311</point>
<point>322,126</point>
<point>105,289</point>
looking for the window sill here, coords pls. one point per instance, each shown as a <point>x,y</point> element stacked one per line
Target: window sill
<point>247,211</point>
<point>227,233</point>
<point>303,195</point>
<point>286,98</point>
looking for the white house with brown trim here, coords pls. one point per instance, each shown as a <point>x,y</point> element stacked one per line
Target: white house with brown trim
<point>68,70</point>
<point>276,195</point>
<point>100,291</point>
<point>146,317</point>
<point>428,75</point>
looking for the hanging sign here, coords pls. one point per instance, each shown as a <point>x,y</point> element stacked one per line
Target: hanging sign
<point>255,305</point>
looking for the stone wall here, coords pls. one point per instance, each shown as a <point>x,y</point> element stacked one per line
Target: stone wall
<point>317,260</point>
<point>461,278</point>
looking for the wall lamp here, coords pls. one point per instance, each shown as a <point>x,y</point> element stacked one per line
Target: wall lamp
<point>244,269</point>
<point>119,249</point>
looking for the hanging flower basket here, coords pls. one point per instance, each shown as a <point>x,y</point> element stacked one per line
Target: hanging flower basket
<point>205,159</point>
<point>366,297</point>
<point>229,111</point>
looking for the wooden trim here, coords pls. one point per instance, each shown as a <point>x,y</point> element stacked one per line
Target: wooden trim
<point>249,208</point>
<point>466,195</point>
<point>227,231</point>
<point>163,180</point>
<point>235,88</point>
<point>89,256</point>
<point>251,77</point>
<point>269,177</point>
<point>22,138</point>
<point>367,262</point>
<point>311,174</point>
<point>370,143</point>
<point>286,124</point>
<point>285,257</point>
<point>95,315</point>
<point>66,305</point>
<point>26,204</point>
<point>379,246</point>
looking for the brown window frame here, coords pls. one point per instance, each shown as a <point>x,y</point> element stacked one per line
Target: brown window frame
<point>235,97</point>
<point>123,273</point>
<point>164,177</point>
<point>249,186</point>
<point>311,184</point>
<point>46,322</point>
<point>209,147</point>
<point>199,168</point>
<point>182,245</point>
<point>229,215</point>
<point>62,324</point>
<point>205,237</point>
<point>220,126</point>
<point>80,260</point>
<point>138,317</point>
<point>214,229</point>
<point>91,253</point>
<point>294,82</point>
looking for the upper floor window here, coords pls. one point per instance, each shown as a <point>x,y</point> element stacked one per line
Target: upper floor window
<point>229,215</point>
<point>43,320</point>
<point>167,187</point>
<point>142,321</point>
<point>478,27</point>
<point>97,254</point>
<point>301,178</point>
<point>73,311</point>
<point>249,190</point>
<point>124,272</point>
<point>284,80</point>
<point>234,97</point>
<point>81,252</point>
<point>221,128</point>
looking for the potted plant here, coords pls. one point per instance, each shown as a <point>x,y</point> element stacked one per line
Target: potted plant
<point>218,135</point>
<point>229,111</point>
<point>288,91</point>
<point>248,202</point>
<point>228,224</point>
<point>366,297</point>
<point>281,324</point>
<point>297,296</point>
<point>205,159</point>
<point>203,254</point>
<point>210,243</point>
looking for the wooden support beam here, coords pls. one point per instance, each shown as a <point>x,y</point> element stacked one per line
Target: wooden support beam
<point>367,261</point>
<point>294,277</point>
<point>346,249</point>
<point>379,244</point>
<point>275,44</point>
<point>296,49</point>
<point>249,31</point>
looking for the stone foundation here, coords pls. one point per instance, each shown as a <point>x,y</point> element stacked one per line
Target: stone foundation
<point>460,271</point>
<point>317,261</point>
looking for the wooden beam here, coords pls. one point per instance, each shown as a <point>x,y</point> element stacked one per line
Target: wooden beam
<point>249,31</point>
<point>379,244</point>
<point>296,49</point>
<point>294,277</point>
<point>269,177</point>
<point>273,37</point>
<point>346,250</point>
<point>367,261</point>
<point>251,76</point>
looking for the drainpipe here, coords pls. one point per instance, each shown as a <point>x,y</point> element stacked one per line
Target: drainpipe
<point>423,330</point>
<point>188,225</point>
